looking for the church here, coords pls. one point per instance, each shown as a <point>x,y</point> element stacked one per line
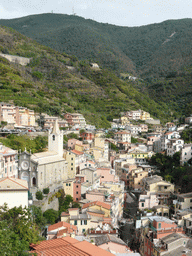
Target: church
<point>45,169</point>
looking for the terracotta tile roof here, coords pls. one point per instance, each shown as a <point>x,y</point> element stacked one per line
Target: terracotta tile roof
<point>77,152</point>
<point>61,232</point>
<point>91,162</point>
<point>92,249</point>
<point>67,246</point>
<point>62,224</point>
<point>122,132</point>
<point>63,214</point>
<point>73,209</point>
<point>125,142</point>
<point>102,204</point>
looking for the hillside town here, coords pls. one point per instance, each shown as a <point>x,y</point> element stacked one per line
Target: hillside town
<point>123,202</point>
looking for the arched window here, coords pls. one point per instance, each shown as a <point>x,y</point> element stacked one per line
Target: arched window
<point>53,137</point>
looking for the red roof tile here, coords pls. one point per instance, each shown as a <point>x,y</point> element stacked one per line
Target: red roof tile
<point>73,209</point>
<point>67,246</point>
<point>104,205</point>
<point>62,224</point>
<point>92,249</point>
<point>77,152</point>
<point>64,214</point>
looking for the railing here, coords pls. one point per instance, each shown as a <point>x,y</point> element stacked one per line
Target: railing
<point>103,231</point>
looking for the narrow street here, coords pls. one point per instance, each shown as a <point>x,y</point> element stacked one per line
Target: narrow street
<point>127,230</point>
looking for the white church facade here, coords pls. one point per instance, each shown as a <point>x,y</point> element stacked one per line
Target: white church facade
<point>45,169</point>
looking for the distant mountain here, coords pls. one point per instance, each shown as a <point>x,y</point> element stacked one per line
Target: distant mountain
<point>153,50</point>
<point>56,83</point>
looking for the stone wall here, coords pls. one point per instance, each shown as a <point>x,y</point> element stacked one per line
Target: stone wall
<point>152,121</point>
<point>16,59</point>
<point>46,205</point>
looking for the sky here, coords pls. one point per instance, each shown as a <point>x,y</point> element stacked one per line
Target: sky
<point>119,12</point>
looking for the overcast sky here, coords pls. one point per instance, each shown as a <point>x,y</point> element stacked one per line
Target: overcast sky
<point>118,12</point>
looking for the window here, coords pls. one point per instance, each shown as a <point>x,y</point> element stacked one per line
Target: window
<point>53,137</point>
<point>10,169</point>
<point>77,192</point>
<point>159,225</point>
<point>190,200</point>
<point>77,199</point>
<point>165,187</point>
<point>77,186</point>
<point>71,163</point>
<point>75,222</point>
<point>69,184</point>
<point>83,230</point>
<point>6,170</point>
<point>102,176</point>
<point>66,184</point>
<point>85,222</point>
<point>71,158</point>
<point>142,205</point>
<point>71,169</point>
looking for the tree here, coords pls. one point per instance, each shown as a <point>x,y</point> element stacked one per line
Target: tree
<point>37,216</point>
<point>17,231</point>
<point>46,191</point>
<point>39,195</point>
<point>3,123</point>
<point>51,216</point>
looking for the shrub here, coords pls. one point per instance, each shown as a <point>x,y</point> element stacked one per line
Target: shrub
<point>39,195</point>
<point>46,191</point>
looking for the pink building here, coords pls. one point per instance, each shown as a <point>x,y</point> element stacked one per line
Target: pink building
<point>148,201</point>
<point>107,174</point>
<point>111,243</point>
<point>88,136</point>
<point>72,142</point>
<point>8,162</point>
<point>95,195</point>
<point>77,190</point>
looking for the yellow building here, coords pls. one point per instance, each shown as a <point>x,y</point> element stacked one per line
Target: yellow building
<point>135,177</point>
<point>74,158</point>
<point>184,201</point>
<point>135,153</point>
<point>124,120</point>
<point>83,221</point>
<point>68,187</point>
<point>100,149</point>
<point>98,206</point>
<point>145,115</point>
<point>70,158</point>
<point>156,184</point>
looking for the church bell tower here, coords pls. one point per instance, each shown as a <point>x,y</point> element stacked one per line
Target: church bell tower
<point>55,140</point>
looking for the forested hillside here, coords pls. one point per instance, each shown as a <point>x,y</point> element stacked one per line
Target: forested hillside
<point>156,49</point>
<point>160,54</point>
<point>55,83</point>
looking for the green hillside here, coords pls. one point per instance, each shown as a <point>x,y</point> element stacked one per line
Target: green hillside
<point>157,53</point>
<point>55,83</point>
<point>155,49</point>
